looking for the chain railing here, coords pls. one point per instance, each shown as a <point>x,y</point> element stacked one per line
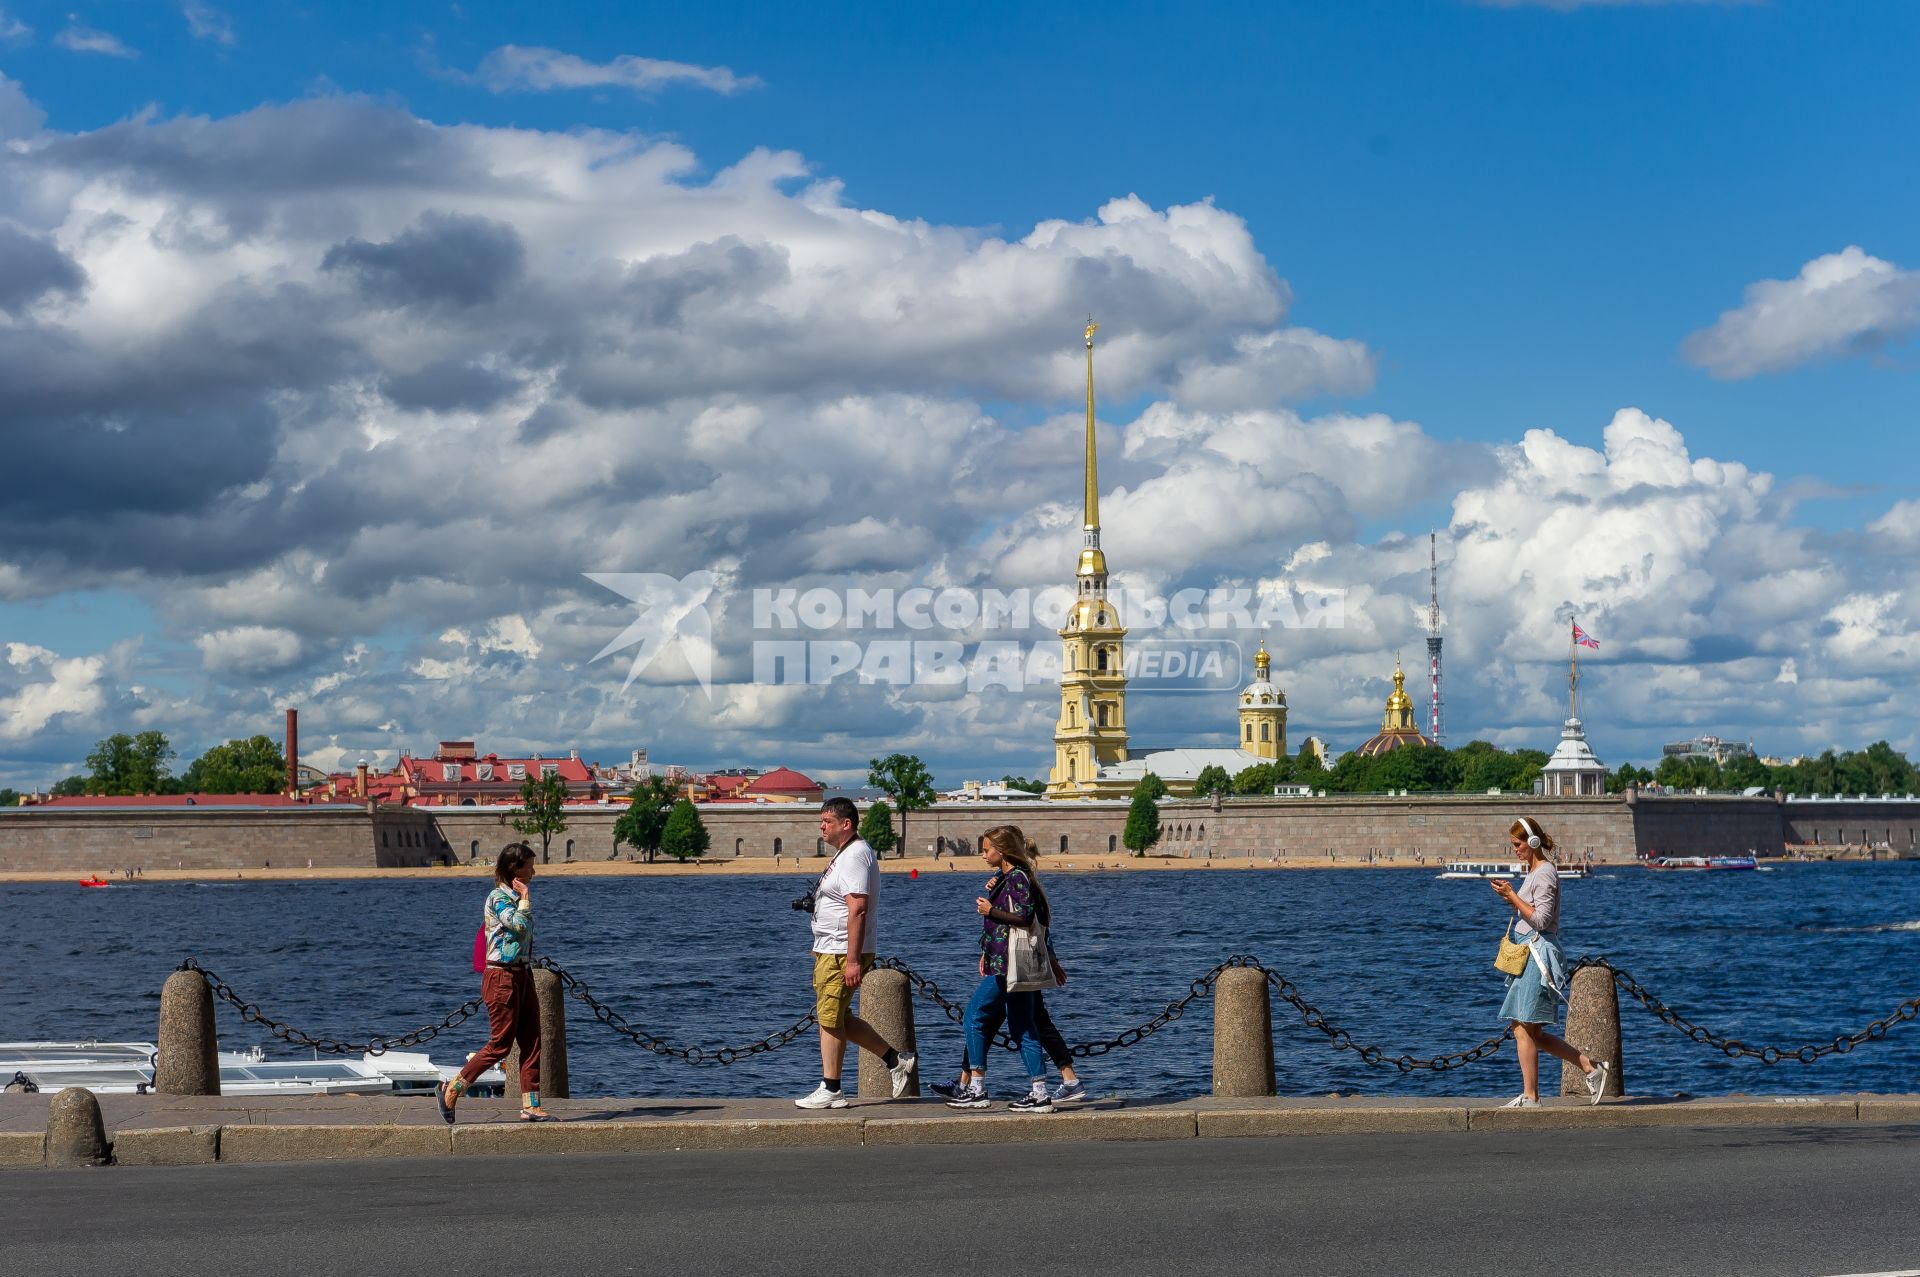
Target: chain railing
<point>376,1045</point>
<point>577,988</point>
<point>1733,1047</point>
<point>1201,986</point>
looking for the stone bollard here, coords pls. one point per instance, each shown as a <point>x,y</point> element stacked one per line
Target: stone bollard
<point>553,1033</point>
<point>76,1135</point>
<point>189,1062</point>
<point>886,1002</point>
<point>1242,1034</point>
<point>1593,1026</point>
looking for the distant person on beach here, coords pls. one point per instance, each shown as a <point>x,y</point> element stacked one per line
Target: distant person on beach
<point>842,904</point>
<point>506,987</point>
<point>1532,1004</point>
<point>1013,899</point>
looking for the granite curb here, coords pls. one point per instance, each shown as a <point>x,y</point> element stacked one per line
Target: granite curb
<point>274,1134</point>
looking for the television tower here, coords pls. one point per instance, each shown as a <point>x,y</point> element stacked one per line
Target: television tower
<point>1433,632</point>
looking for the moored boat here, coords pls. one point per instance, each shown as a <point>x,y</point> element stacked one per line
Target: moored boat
<point>126,1068</point>
<point>1704,863</point>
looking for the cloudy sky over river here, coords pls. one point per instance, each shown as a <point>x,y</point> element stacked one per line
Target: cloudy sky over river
<point>340,342</point>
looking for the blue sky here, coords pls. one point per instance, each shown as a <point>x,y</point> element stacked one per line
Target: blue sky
<point>1522,210</point>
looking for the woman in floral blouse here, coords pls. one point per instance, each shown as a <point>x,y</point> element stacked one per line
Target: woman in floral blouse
<point>1013,899</point>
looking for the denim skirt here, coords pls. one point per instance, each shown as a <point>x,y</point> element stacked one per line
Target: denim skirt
<point>1528,1000</point>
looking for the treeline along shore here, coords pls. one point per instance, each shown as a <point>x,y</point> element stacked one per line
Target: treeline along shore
<point>1343,830</point>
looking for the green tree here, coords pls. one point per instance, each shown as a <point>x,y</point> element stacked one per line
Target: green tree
<point>1688,773</point>
<point>1212,780</point>
<point>904,779</point>
<point>1143,815</point>
<point>1745,772</point>
<point>644,821</point>
<point>1257,779</point>
<point>685,837</point>
<point>251,766</point>
<point>9,798</point>
<point>123,764</point>
<point>1021,782</point>
<point>71,787</point>
<point>877,827</point>
<point>1306,763</point>
<point>542,812</point>
<point>1626,776</point>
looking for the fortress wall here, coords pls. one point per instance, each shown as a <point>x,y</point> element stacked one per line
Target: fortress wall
<point>1676,825</point>
<point>1854,822</point>
<point>1302,830</point>
<point>106,841</point>
<point>1430,827</point>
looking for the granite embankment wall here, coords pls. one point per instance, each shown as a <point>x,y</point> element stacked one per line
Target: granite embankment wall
<point>80,841</point>
<point>1301,831</point>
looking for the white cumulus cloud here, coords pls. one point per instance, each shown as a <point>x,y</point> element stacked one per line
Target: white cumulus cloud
<point>520,67</point>
<point>249,649</point>
<point>1843,303</point>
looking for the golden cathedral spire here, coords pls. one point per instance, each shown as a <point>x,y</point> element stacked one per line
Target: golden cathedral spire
<point>1093,471</point>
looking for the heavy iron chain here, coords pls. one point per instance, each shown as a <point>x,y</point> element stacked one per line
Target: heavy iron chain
<point>1734,1048</point>
<point>1202,987</point>
<point>378,1045</point>
<point>646,1041</point>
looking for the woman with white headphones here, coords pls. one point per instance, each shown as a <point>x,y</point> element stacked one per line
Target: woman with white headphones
<point>1533,997</point>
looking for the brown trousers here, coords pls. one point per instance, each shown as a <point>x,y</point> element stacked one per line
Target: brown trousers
<point>513,1016</point>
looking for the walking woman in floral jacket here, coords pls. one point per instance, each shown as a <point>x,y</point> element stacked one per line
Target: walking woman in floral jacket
<point>1013,899</point>
<point>506,987</point>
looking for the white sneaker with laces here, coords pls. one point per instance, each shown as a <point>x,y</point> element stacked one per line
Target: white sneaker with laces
<point>902,1074</point>
<point>1521,1102</point>
<point>1597,1080</point>
<point>821,1098</point>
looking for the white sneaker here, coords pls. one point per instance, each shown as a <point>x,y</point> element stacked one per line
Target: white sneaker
<point>902,1074</point>
<point>821,1098</point>
<point>1521,1102</point>
<point>1597,1080</point>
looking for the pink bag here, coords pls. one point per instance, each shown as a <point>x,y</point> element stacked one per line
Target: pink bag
<point>480,948</point>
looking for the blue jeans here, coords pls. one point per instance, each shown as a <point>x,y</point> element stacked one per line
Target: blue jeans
<point>991,997</point>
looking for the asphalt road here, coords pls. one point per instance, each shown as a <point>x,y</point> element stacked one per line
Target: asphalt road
<point>1813,1201</point>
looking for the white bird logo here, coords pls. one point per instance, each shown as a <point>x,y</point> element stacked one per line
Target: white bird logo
<point>670,610</point>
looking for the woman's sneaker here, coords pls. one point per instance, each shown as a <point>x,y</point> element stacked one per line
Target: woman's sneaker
<point>1597,1081</point>
<point>948,1090</point>
<point>901,1074</point>
<point>821,1098</point>
<point>974,1097</point>
<point>1070,1092</point>
<point>1032,1102</point>
<point>1521,1102</point>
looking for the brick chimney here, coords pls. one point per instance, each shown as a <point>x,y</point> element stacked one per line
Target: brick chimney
<point>293,752</point>
<point>360,780</point>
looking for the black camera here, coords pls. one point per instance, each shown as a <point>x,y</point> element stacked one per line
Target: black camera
<point>804,903</point>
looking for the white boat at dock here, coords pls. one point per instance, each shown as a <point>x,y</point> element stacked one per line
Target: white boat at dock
<point>126,1068</point>
<point>1704,863</point>
<point>1497,869</point>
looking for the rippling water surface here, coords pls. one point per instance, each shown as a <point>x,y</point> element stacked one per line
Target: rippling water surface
<point>1794,955</point>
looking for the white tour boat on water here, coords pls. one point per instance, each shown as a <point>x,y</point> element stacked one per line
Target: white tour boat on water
<point>1498,869</point>
<point>126,1068</point>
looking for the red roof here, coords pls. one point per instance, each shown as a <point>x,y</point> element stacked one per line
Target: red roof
<point>434,771</point>
<point>784,780</point>
<point>725,786</point>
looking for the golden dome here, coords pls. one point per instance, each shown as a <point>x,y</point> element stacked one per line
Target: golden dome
<point>1396,725</point>
<point>1093,562</point>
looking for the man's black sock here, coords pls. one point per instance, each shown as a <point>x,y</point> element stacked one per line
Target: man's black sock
<point>831,1083</point>
<point>892,1058</point>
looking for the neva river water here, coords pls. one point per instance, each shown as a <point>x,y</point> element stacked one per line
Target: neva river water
<point>1792,956</point>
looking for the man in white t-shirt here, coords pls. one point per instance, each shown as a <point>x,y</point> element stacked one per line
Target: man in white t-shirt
<point>843,932</point>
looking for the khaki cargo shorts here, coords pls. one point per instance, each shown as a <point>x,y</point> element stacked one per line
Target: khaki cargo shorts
<point>832,999</point>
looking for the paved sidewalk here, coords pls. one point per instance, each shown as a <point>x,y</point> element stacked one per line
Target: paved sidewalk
<point>181,1130</point>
